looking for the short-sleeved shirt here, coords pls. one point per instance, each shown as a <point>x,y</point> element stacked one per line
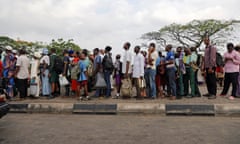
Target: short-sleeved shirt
<point>45,59</point>
<point>83,69</point>
<point>170,56</point>
<point>97,60</point>
<point>23,63</point>
<point>127,57</point>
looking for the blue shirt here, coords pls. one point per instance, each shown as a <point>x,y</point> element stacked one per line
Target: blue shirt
<point>170,56</point>
<point>83,69</point>
<point>97,61</point>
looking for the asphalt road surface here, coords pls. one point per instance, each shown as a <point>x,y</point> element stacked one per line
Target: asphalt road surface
<point>99,129</point>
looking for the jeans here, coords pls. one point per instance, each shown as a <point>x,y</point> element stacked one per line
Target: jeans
<point>107,75</point>
<point>171,81</point>
<point>150,75</point>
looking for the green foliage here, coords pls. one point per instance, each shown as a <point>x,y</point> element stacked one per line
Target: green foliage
<point>61,45</point>
<point>192,33</point>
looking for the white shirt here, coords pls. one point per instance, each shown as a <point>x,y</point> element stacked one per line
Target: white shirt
<point>45,59</point>
<point>34,67</point>
<point>127,57</point>
<point>154,56</point>
<point>138,66</point>
<point>23,63</point>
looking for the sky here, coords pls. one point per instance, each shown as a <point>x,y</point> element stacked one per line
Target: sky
<point>97,23</point>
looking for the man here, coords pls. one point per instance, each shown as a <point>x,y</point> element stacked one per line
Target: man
<point>108,69</point>
<point>22,73</point>
<point>170,70</point>
<point>231,69</point>
<point>127,59</point>
<point>138,70</point>
<point>209,68</point>
<point>151,71</point>
<point>66,61</point>
<point>53,76</point>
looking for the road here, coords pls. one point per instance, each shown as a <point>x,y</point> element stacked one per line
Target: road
<point>127,129</point>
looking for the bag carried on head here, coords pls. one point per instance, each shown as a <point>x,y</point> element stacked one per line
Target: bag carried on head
<point>58,65</point>
<point>126,88</point>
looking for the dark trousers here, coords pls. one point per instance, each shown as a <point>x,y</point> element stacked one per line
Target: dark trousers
<point>197,91</point>
<point>22,85</point>
<point>228,79</point>
<point>211,82</point>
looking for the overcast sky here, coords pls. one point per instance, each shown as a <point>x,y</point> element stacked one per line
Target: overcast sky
<point>97,23</point>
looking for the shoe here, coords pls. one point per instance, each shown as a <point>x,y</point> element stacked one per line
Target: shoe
<point>189,96</point>
<point>222,95</point>
<point>88,98</point>
<point>207,95</point>
<point>173,98</point>
<point>80,98</point>
<point>212,97</point>
<point>231,98</point>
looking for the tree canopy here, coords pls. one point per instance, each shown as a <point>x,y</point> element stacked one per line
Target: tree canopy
<point>192,33</point>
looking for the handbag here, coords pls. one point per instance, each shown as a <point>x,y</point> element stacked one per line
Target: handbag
<point>63,80</point>
<point>126,89</point>
<point>100,83</point>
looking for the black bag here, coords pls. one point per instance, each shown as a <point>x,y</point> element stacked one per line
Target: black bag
<point>108,63</point>
<point>58,65</point>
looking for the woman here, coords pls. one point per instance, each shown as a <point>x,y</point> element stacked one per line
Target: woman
<point>231,68</point>
<point>44,64</point>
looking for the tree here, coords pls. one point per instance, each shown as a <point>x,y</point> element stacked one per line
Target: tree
<point>193,33</point>
<point>61,45</point>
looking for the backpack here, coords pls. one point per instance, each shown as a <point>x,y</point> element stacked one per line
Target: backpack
<point>58,65</point>
<point>219,59</point>
<point>108,63</point>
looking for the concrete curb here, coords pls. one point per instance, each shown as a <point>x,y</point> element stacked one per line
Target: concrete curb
<point>129,108</point>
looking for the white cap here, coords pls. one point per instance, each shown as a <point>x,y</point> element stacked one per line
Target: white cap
<point>9,48</point>
<point>37,54</point>
<point>14,51</point>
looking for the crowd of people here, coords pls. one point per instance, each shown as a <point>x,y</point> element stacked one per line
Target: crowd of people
<point>152,74</point>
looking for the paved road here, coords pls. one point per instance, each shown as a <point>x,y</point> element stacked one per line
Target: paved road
<point>98,129</point>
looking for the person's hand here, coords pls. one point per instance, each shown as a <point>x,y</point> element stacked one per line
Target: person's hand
<point>141,77</point>
<point>229,58</point>
<point>210,70</point>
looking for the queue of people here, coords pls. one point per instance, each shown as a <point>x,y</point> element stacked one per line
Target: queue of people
<point>154,75</point>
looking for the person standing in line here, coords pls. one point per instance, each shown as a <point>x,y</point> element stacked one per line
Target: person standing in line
<point>151,71</point>
<point>170,70</point>
<point>97,68</point>
<point>231,68</point>
<point>83,78</point>
<point>210,68</point>
<point>108,68</point>
<point>22,73</point>
<point>237,48</point>
<point>181,70</point>
<point>34,77</point>
<point>75,70</point>
<point>118,74</point>
<point>194,59</point>
<point>127,60</point>
<point>44,68</point>
<point>138,70</point>
<point>53,76</point>
<point>66,73</point>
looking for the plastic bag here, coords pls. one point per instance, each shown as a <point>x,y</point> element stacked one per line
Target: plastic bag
<point>63,80</point>
<point>100,83</point>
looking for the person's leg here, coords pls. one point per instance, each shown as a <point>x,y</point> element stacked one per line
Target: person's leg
<point>148,90</point>
<point>172,81</point>
<point>207,81</point>
<point>153,83</point>
<point>108,82</point>
<point>180,83</point>
<point>197,91</point>
<point>192,82</point>
<point>85,83</point>
<point>234,80</point>
<point>226,84</point>
<point>186,82</point>
<point>212,84</point>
